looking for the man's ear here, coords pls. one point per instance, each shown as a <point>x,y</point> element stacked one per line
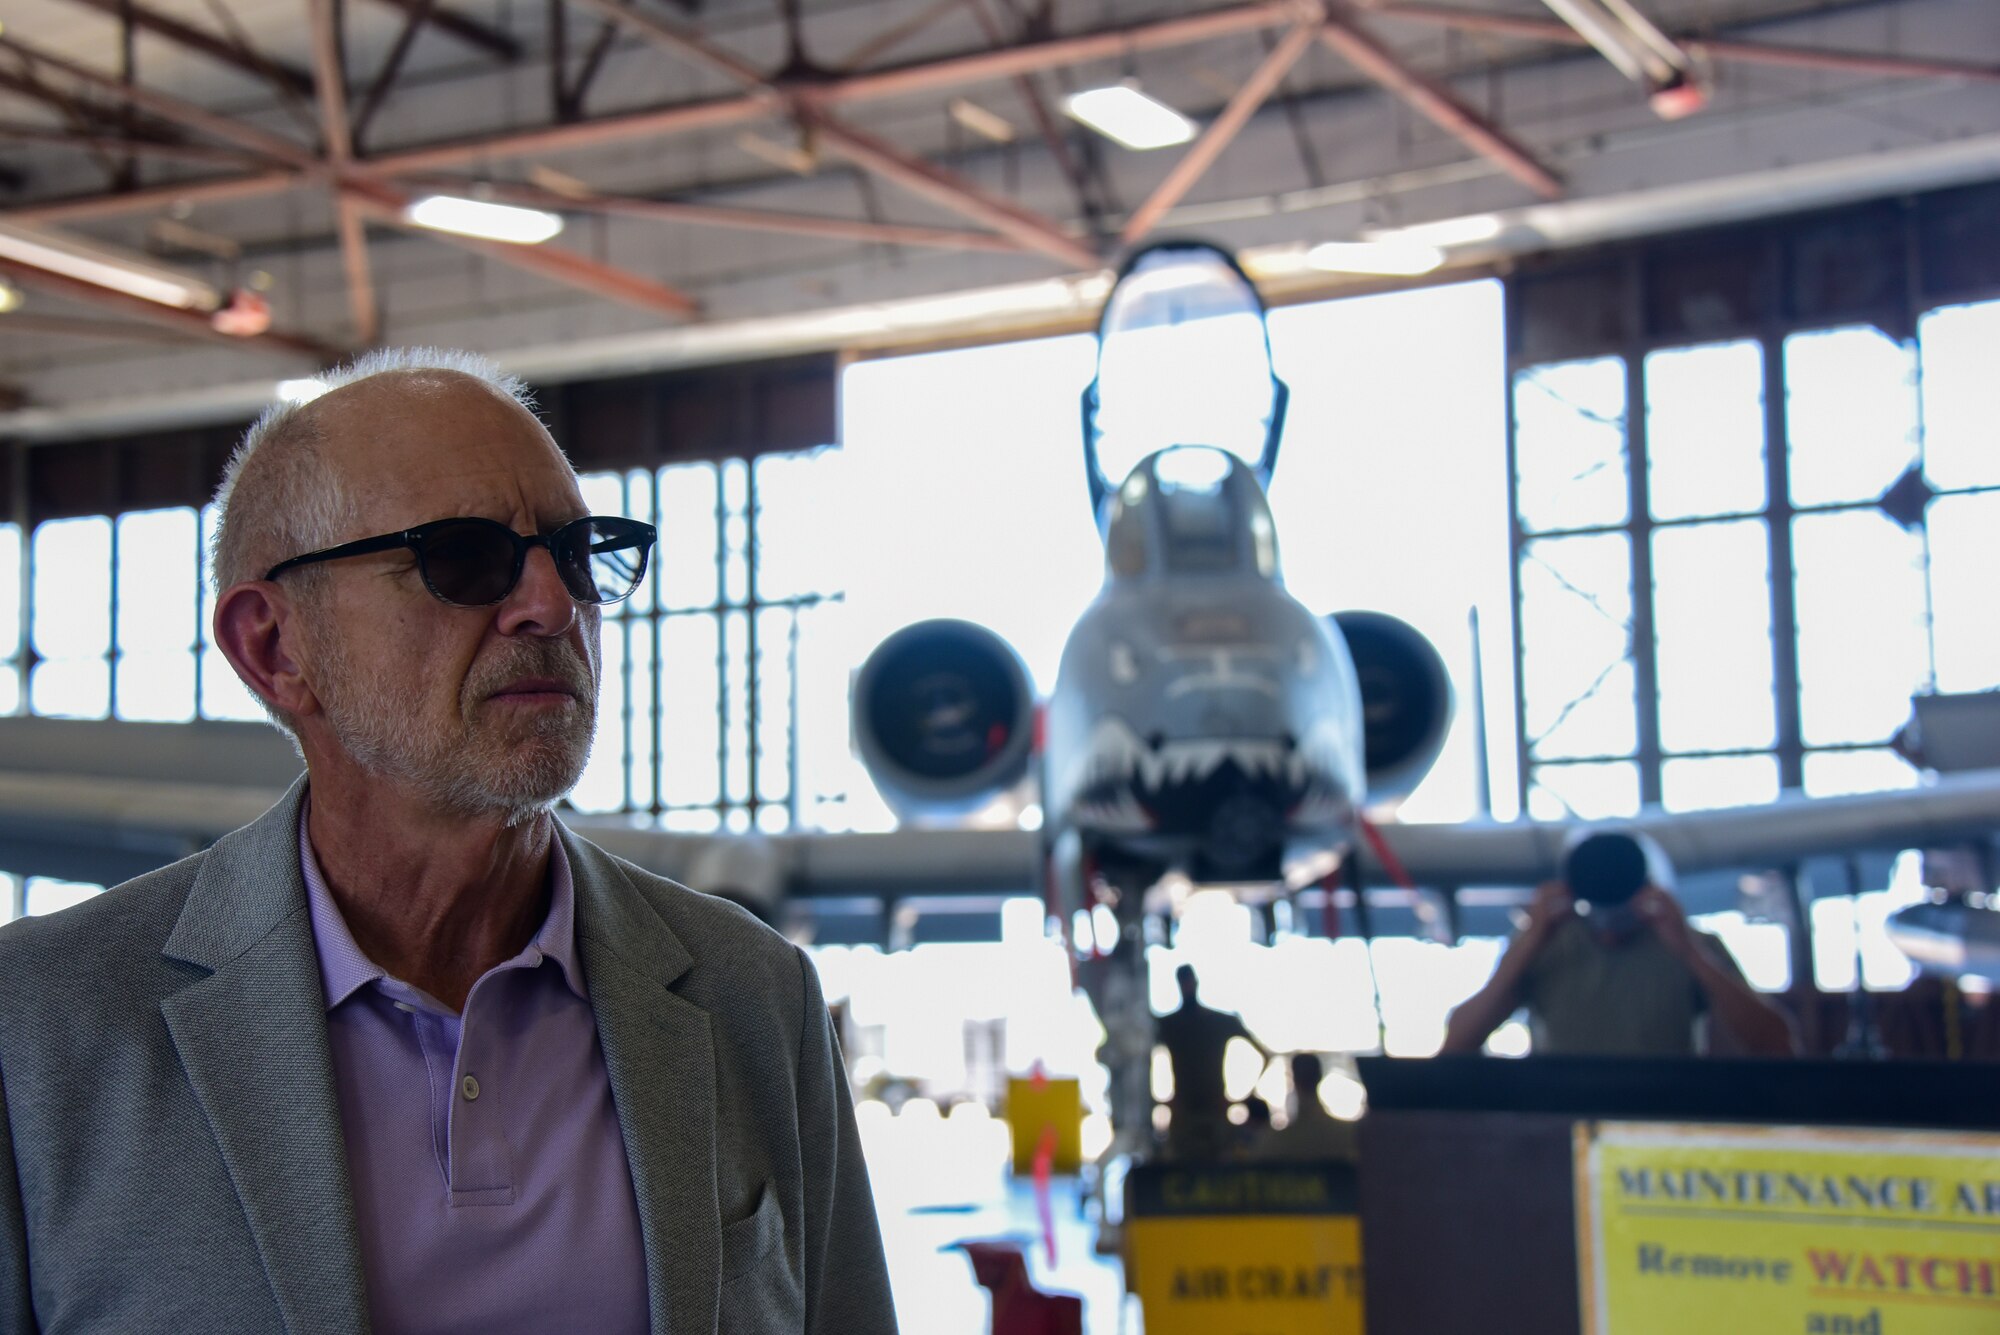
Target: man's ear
<point>257,630</point>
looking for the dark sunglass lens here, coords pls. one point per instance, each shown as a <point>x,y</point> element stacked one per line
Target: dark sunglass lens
<point>602,560</point>
<point>468,563</point>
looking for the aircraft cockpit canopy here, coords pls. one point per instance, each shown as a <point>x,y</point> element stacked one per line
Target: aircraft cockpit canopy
<point>1191,510</point>
<point>1183,359</point>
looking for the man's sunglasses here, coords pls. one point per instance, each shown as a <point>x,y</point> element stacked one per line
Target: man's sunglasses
<point>477,562</point>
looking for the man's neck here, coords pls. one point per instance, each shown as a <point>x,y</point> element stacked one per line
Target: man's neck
<point>435,899</point>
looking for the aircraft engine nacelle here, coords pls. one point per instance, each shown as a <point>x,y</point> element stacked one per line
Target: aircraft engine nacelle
<point>944,720</point>
<point>1406,699</point>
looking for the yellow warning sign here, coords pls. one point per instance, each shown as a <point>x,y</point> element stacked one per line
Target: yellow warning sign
<point>1240,1250</point>
<point>1835,1232</point>
<point>1046,1109</point>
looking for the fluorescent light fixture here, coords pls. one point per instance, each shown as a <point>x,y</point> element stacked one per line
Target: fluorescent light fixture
<point>104,266</point>
<point>301,391</point>
<point>10,298</point>
<point>1468,230</point>
<point>1389,256</point>
<point>1122,113</point>
<point>484,219</point>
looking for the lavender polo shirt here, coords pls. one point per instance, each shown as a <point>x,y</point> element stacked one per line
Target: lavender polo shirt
<point>489,1176</point>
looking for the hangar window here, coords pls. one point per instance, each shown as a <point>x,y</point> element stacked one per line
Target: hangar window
<point>10,618</point>
<point>700,720</point>
<point>1739,551</point>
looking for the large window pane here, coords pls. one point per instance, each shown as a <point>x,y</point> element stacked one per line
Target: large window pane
<point>10,590</point>
<point>223,694</point>
<point>1960,347</point>
<point>1874,770</point>
<point>1965,574</point>
<point>802,519</point>
<point>1702,783</point>
<point>1576,617</point>
<point>48,895</point>
<point>690,730</point>
<point>685,557</point>
<point>735,530</point>
<point>640,662</point>
<point>602,787</point>
<point>1584,792</point>
<point>736,706</point>
<point>72,587</point>
<point>1712,629</point>
<point>156,687</point>
<point>70,688</point>
<point>1705,430</point>
<point>1569,445</point>
<point>1860,609</point>
<point>774,703</point>
<point>159,602</point>
<point>159,593</point>
<point>1851,412</point>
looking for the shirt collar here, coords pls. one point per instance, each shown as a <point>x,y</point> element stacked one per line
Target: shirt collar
<point>345,969</point>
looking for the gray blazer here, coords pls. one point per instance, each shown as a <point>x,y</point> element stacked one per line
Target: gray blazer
<point>173,1151</point>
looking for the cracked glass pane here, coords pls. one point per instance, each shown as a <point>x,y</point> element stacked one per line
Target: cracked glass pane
<point>1569,445</point>
<point>1599,791</point>
<point>1576,620</point>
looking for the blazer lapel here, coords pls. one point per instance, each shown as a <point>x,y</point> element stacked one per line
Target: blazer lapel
<point>252,1039</point>
<point>660,1056</point>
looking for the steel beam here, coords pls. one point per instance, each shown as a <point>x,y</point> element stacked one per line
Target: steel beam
<point>334,130</point>
<point>1220,133</point>
<point>77,208</point>
<point>1029,230</point>
<point>469,31</point>
<point>193,323</point>
<point>1437,104</point>
<point>208,155</point>
<point>709,215</point>
<point>1750,53</point>
<point>290,78</point>
<point>561,266</point>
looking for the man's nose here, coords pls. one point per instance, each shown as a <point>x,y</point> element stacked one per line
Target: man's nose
<point>540,603</point>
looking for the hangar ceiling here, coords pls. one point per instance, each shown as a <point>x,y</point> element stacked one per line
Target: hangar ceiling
<point>742,177</point>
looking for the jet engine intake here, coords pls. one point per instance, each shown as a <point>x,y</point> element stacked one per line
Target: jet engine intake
<point>944,720</point>
<point>1406,699</point>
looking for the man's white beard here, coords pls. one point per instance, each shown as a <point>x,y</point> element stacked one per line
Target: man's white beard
<point>480,766</point>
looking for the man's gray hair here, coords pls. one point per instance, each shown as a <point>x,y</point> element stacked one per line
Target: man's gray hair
<point>280,495</point>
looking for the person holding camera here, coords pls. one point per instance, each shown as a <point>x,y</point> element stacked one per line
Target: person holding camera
<point>1608,965</point>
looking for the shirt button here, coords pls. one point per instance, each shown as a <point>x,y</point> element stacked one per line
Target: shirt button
<point>470,1087</point>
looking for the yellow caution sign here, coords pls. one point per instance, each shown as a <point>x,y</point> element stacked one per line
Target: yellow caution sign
<point>1046,1111</point>
<point>1244,1250</point>
<point>1817,1231</point>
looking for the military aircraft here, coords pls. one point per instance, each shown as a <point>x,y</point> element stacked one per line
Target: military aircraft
<point>1204,728</point>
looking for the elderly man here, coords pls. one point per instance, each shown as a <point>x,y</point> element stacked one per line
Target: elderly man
<point>405,1053</point>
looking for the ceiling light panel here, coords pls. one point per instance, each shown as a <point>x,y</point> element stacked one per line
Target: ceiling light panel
<point>1127,116</point>
<point>484,219</point>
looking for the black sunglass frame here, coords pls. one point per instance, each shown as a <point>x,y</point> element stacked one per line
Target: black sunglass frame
<point>631,534</point>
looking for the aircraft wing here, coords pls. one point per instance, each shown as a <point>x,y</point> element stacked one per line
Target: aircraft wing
<point>104,801</point>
